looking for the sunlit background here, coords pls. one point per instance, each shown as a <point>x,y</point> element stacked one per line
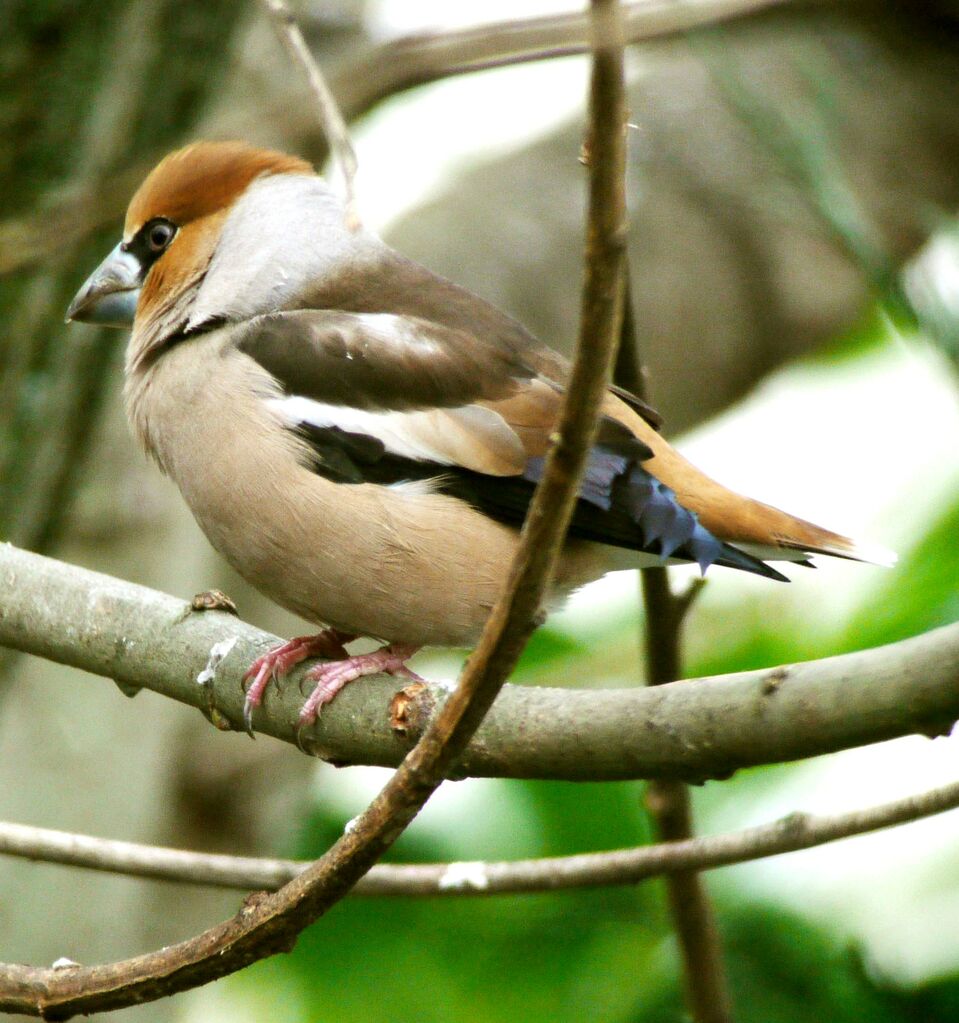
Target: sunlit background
<point>858,432</point>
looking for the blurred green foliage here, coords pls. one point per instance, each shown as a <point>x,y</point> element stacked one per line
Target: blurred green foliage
<point>922,594</point>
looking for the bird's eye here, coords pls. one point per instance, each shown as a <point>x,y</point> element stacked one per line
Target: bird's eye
<point>159,235</point>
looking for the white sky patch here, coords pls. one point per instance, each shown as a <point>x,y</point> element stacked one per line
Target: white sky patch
<point>391,17</point>
<point>410,147</point>
<point>932,278</point>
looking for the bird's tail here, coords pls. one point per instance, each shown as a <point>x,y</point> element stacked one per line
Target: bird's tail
<point>755,528</point>
<point>785,537</point>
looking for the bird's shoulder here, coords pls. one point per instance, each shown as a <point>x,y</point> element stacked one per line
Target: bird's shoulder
<point>386,332</point>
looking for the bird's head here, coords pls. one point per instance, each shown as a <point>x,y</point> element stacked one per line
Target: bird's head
<point>175,225</point>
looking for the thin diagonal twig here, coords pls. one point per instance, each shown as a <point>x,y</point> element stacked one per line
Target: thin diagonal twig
<point>271,923</point>
<point>331,119</point>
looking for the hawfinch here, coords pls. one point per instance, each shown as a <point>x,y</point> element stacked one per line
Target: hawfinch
<point>360,437</point>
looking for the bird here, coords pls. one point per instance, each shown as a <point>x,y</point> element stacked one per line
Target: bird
<point>360,437</point>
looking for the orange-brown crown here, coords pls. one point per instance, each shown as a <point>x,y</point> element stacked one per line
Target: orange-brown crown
<point>194,188</point>
<point>192,183</point>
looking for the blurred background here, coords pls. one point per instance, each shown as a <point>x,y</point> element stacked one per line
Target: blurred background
<point>793,182</point>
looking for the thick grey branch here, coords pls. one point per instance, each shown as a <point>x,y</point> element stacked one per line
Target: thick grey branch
<point>696,729</point>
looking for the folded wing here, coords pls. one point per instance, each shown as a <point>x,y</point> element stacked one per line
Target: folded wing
<point>388,400</point>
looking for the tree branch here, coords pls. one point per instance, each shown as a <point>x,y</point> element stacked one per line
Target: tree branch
<point>695,729</point>
<point>667,800</point>
<point>417,59</point>
<point>669,803</point>
<point>331,120</point>
<point>622,866</point>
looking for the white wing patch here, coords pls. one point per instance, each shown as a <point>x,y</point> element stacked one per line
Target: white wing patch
<point>394,330</point>
<point>470,436</point>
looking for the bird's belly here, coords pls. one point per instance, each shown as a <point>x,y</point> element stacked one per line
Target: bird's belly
<point>423,569</point>
<point>396,563</point>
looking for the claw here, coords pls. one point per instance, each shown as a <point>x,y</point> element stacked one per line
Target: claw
<point>261,671</point>
<point>333,676</point>
<point>329,677</point>
<point>298,735</point>
<point>282,659</point>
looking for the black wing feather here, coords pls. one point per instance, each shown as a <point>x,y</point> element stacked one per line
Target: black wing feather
<point>620,503</point>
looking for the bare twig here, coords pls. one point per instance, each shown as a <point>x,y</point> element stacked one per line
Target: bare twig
<point>271,924</point>
<point>404,63</point>
<point>623,866</point>
<point>331,119</point>
<point>700,944</point>
<point>668,801</point>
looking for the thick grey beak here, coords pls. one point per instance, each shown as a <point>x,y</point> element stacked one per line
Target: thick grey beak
<point>109,295</point>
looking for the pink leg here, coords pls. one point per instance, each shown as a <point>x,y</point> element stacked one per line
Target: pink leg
<point>332,676</point>
<point>280,660</point>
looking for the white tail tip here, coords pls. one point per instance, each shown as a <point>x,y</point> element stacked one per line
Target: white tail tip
<point>871,553</point>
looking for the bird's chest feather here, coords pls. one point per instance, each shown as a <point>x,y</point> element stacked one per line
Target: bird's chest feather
<point>199,410</point>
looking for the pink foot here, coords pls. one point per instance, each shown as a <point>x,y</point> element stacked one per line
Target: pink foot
<point>332,676</point>
<point>277,662</point>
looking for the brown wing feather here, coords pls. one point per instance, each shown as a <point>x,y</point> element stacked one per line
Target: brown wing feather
<point>378,361</point>
<point>471,437</point>
<point>531,413</point>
